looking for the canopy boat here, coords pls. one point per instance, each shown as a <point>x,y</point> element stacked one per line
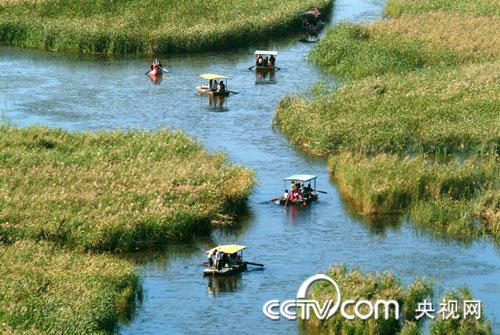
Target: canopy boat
<point>207,90</point>
<point>231,263</point>
<point>307,193</point>
<point>312,20</point>
<point>265,54</point>
<point>156,69</point>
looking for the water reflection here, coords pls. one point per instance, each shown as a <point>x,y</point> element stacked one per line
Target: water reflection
<point>216,103</point>
<point>229,284</point>
<point>265,76</point>
<point>156,80</point>
<point>310,36</point>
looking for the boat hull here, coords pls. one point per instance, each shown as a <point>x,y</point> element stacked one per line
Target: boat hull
<point>265,68</point>
<point>203,90</point>
<point>226,271</point>
<point>303,202</point>
<point>156,72</point>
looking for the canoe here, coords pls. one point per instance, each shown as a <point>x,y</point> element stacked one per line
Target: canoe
<point>225,271</point>
<point>205,91</point>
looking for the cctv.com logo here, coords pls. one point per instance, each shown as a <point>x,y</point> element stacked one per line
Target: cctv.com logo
<point>274,309</point>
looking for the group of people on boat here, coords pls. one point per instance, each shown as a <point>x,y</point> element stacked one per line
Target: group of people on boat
<point>265,62</point>
<point>298,192</point>
<point>219,259</point>
<point>215,86</point>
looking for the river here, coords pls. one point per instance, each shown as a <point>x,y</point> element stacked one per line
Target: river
<point>78,92</point>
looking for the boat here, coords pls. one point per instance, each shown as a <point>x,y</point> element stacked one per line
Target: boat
<point>234,251</point>
<point>307,196</point>
<point>205,89</point>
<point>264,54</point>
<point>156,72</point>
<point>312,20</point>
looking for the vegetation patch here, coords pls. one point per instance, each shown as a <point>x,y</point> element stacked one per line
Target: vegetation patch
<point>44,290</point>
<point>357,285</point>
<point>147,27</point>
<point>464,7</point>
<point>407,43</point>
<point>438,110</point>
<point>117,191</point>
<point>454,199</point>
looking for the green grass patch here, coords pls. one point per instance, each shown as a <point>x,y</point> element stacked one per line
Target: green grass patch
<point>157,26</point>
<point>464,7</point>
<point>461,326</point>
<point>407,43</point>
<point>357,285</point>
<point>117,191</point>
<point>44,290</point>
<point>439,110</point>
<point>453,199</point>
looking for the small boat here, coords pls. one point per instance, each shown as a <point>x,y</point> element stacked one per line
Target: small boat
<point>156,72</point>
<point>312,20</point>
<point>206,90</point>
<point>265,53</point>
<point>308,195</point>
<point>234,263</point>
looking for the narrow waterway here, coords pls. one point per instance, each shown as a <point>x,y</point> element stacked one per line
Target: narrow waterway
<point>94,93</point>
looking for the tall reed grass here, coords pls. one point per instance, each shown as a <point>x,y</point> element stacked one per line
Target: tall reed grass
<point>407,43</point>
<point>437,110</point>
<point>117,191</point>
<point>463,7</point>
<point>147,27</point>
<point>357,285</point>
<point>443,198</point>
<point>44,290</point>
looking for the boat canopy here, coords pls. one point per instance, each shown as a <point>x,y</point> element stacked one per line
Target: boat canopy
<point>266,52</point>
<point>227,249</point>
<point>212,76</point>
<point>301,177</point>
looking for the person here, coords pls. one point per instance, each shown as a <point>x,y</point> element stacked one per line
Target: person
<point>214,85</point>
<point>299,189</point>
<point>221,88</point>
<point>225,260</point>
<point>272,60</point>
<point>285,196</point>
<point>151,67</point>
<point>210,257</point>
<point>266,61</point>
<point>219,259</point>
<point>232,259</point>
<point>307,191</point>
<point>260,60</point>
<point>210,82</point>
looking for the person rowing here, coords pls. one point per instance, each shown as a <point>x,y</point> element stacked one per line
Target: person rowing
<point>221,88</point>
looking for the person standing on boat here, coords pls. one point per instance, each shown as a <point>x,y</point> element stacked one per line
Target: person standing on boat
<point>221,88</point>
<point>218,259</point>
<point>210,257</point>
<point>214,86</point>
<point>272,60</point>
<point>260,60</point>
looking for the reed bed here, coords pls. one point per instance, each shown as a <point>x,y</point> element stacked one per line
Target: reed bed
<point>407,43</point>
<point>357,285</point>
<point>452,199</point>
<point>156,26</point>
<point>44,290</point>
<point>464,7</point>
<point>460,326</point>
<point>437,110</point>
<point>116,191</point>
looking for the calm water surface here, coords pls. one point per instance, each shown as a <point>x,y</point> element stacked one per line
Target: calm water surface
<point>93,93</point>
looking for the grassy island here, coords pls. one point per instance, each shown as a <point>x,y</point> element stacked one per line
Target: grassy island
<point>158,26</point>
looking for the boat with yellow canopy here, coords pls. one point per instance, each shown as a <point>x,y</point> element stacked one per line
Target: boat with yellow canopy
<point>226,260</point>
<point>210,88</point>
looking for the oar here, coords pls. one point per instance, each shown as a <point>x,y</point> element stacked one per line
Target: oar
<point>251,67</point>
<point>322,192</point>
<point>163,69</point>
<point>234,92</point>
<point>147,72</point>
<point>256,264</point>
<point>275,199</point>
<point>277,68</point>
